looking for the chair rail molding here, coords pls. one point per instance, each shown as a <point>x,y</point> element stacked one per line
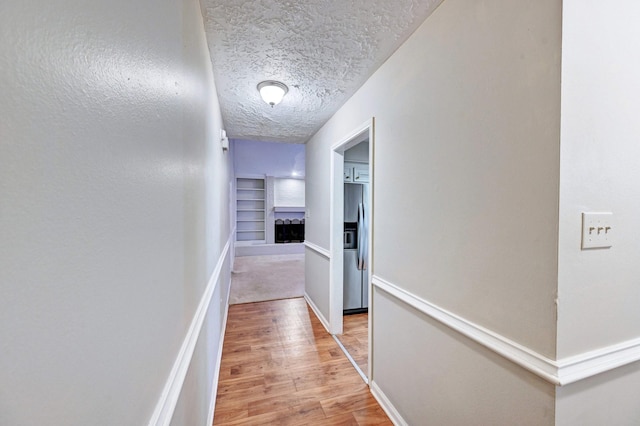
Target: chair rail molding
<point>166,405</point>
<point>216,377</point>
<point>558,372</point>
<point>324,252</point>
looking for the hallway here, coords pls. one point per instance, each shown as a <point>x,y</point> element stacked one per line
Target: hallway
<point>503,149</point>
<point>280,366</point>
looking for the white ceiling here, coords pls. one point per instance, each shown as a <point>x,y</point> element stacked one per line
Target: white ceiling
<point>323,50</point>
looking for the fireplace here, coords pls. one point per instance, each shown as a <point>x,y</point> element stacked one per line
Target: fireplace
<point>289,231</point>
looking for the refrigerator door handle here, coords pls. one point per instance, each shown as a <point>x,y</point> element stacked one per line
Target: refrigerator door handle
<point>362,238</point>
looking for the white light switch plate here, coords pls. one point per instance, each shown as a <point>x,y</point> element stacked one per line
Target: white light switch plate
<point>597,230</point>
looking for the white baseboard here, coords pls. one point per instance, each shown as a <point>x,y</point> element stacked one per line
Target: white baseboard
<point>216,377</point>
<point>166,405</point>
<point>315,309</point>
<point>386,405</point>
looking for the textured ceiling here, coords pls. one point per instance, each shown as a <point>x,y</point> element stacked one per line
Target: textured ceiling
<point>324,50</point>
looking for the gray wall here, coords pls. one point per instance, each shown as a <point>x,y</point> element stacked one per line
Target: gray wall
<point>114,209</point>
<point>359,153</point>
<point>610,398</point>
<point>492,162</point>
<point>470,156</point>
<point>317,272</point>
<point>316,228</point>
<point>467,132</point>
<point>455,381</point>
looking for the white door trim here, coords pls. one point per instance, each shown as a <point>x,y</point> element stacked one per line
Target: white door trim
<point>360,133</point>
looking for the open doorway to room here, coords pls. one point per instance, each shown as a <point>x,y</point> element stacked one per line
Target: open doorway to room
<point>351,246</point>
<point>269,221</point>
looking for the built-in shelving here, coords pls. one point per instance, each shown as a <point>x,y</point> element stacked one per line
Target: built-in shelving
<point>250,209</point>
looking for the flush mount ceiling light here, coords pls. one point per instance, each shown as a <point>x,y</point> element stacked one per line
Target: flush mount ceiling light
<point>272,91</point>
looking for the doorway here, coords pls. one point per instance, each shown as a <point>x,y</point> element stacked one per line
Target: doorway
<point>351,246</point>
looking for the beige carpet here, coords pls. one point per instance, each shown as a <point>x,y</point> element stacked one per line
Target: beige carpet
<point>261,278</point>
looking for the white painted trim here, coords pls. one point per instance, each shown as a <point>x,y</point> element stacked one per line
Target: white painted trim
<point>352,139</point>
<point>372,152</point>
<point>351,360</point>
<point>558,372</point>
<point>587,364</point>
<point>517,353</point>
<point>216,377</point>
<point>336,219</point>
<point>232,246</point>
<point>249,176</point>
<point>315,309</point>
<point>386,405</point>
<point>166,405</point>
<point>336,244</point>
<point>318,249</point>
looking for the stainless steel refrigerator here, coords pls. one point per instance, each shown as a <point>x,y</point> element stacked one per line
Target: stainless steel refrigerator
<point>356,275</point>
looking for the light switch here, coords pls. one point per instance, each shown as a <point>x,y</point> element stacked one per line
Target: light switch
<point>597,230</point>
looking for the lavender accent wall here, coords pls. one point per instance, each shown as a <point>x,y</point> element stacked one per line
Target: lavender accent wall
<point>269,158</point>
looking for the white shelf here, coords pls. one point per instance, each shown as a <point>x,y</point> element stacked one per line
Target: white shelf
<point>254,188</point>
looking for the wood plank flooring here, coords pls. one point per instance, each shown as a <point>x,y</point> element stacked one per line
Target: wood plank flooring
<point>280,367</point>
<point>355,338</point>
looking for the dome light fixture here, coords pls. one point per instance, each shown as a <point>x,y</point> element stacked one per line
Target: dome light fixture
<point>272,91</point>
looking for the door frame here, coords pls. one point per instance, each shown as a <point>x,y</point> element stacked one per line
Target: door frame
<point>336,220</point>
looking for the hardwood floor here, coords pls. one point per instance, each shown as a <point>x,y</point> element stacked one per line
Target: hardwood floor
<point>355,338</point>
<point>280,367</point>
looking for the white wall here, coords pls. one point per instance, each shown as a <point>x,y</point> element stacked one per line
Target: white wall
<point>114,209</point>
<point>598,289</point>
<point>359,153</point>
<point>288,192</point>
<point>466,169</point>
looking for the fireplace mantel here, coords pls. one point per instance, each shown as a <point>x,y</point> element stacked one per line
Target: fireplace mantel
<point>285,209</point>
